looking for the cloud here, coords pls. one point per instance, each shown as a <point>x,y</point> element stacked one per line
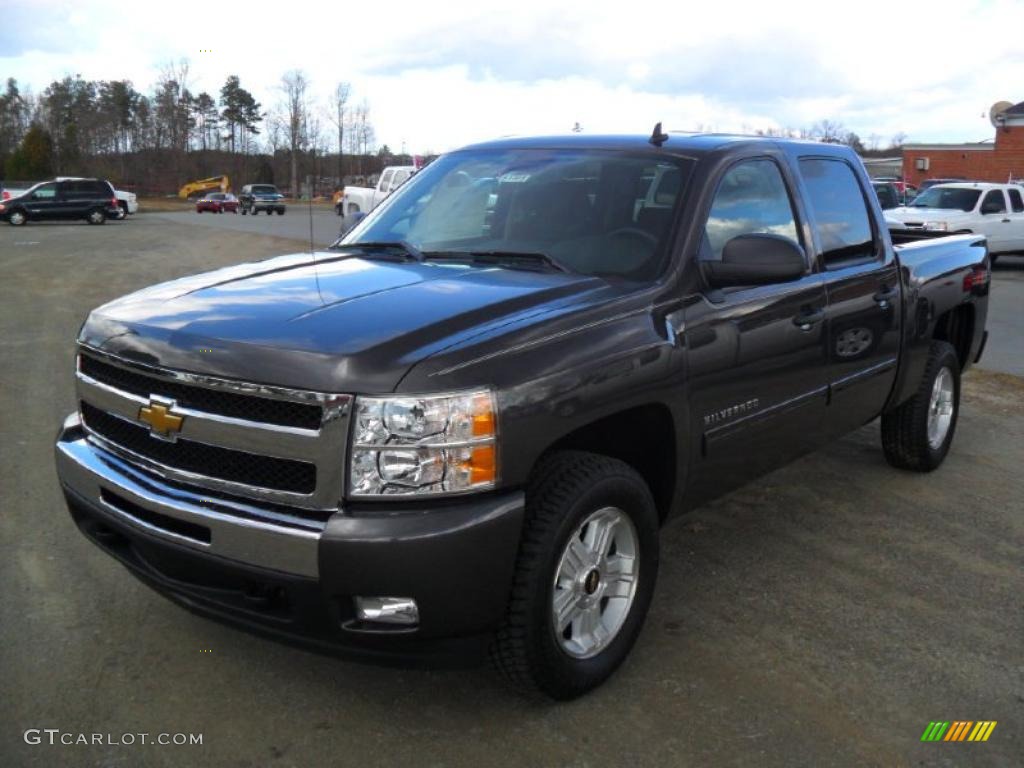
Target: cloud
<point>474,69</point>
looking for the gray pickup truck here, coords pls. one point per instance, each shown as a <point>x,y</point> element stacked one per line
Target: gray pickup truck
<point>459,429</point>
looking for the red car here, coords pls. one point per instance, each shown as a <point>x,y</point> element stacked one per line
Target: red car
<point>217,202</point>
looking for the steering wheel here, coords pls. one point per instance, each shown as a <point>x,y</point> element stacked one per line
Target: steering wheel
<point>641,234</point>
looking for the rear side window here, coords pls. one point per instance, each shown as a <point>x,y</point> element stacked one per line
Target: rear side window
<point>1016,202</point>
<point>751,199</point>
<point>840,212</point>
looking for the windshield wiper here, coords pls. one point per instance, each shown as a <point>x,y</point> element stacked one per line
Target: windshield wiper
<point>498,257</point>
<point>408,249</point>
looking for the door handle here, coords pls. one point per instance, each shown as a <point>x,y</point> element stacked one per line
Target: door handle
<point>808,318</point>
<point>1005,221</point>
<point>884,296</point>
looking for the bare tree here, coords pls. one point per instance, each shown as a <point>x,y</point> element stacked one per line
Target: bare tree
<point>898,140</point>
<point>829,131</point>
<point>360,132</point>
<point>338,115</point>
<point>294,85</point>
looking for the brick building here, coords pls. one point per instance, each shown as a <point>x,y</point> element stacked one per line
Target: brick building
<point>1000,160</point>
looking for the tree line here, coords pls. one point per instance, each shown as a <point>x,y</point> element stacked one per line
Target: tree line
<point>158,140</point>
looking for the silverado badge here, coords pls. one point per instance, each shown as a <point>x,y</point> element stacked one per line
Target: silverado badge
<point>162,423</point>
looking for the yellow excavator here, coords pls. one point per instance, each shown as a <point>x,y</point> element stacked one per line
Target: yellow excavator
<point>204,185</point>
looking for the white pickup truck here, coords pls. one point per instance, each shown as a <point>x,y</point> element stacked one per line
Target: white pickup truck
<point>993,210</point>
<point>365,199</point>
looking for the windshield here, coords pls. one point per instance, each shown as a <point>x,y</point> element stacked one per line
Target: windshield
<point>264,189</point>
<point>952,198</point>
<point>595,213</point>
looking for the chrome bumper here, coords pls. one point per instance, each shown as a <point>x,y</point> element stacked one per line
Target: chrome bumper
<point>241,532</point>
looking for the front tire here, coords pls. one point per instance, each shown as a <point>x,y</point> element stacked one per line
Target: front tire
<point>17,219</point>
<point>917,435</point>
<point>585,574</point>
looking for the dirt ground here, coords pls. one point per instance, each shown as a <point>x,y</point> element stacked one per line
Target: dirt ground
<point>821,616</point>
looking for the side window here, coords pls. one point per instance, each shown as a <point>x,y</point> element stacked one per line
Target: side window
<point>840,213</point>
<point>45,192</point>
<point>400,177</point>
<point>751,199</point>
<point>993,202</point>
<point>385,182</point>
<point>1016,202</point>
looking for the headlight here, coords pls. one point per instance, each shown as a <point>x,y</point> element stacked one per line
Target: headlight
<point>423,445</point>
<point>936,226</point>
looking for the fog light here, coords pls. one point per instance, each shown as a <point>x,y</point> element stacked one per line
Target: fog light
<point>388,610</point>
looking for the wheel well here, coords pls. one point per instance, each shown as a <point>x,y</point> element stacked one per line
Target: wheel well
<point>957,327</point>
<point>643,437</point>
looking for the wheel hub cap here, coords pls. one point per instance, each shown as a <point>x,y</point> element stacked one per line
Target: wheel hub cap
<point>940,408</point>
<point>595,583</point>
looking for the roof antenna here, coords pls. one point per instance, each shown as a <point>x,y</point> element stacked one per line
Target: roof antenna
<point>658,137</point>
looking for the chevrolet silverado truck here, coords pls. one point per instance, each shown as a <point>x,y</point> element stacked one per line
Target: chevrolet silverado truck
<point>459,430</point>
<point>993,210</point>
<point>365,199</point>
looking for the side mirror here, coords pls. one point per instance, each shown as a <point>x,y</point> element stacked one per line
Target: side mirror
<point>759,259</point>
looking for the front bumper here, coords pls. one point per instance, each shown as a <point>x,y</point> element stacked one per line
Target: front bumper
<point>295,578</point>
<point>267,205</point>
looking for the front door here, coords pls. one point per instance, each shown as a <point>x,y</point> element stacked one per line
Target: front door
<point>756,373</point>
<point>43,203</point>
<point>863,286</point>
<point>1016,218</point>
<point>996,223</point>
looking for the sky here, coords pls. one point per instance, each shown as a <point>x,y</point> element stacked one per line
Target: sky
<point>438,75</point>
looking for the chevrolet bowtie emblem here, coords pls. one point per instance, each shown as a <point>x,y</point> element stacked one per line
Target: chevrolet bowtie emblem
<point>162,423</point>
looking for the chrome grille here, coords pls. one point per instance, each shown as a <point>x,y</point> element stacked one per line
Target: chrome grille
<point>230,439</point>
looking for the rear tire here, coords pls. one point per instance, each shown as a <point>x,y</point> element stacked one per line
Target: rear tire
<point>97,216</point>
<point>595,583</point>
<point>917,435</point>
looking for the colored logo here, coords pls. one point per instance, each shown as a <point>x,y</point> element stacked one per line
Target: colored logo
<point>162,423</point>
<point>959,730</point>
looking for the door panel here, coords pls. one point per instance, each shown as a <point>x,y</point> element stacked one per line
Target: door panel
<point>863,289</point>
<point>43,203</point>
<point>863,339</point>
<point>757,382</point>
<point>997,227</point>
<point>756,365</point>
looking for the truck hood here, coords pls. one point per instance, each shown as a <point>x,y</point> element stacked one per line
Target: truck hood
<point>909,213</point>
<point>325,322</point>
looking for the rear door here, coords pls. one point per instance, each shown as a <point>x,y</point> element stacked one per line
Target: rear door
<point>79,198</point>
<point>755,371</point>
<point>863,289</point>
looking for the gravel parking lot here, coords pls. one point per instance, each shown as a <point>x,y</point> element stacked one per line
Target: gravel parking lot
<point>822,616</point>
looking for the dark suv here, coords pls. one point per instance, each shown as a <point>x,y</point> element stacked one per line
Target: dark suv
<point>90,199</point>
<point>261,197</point>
